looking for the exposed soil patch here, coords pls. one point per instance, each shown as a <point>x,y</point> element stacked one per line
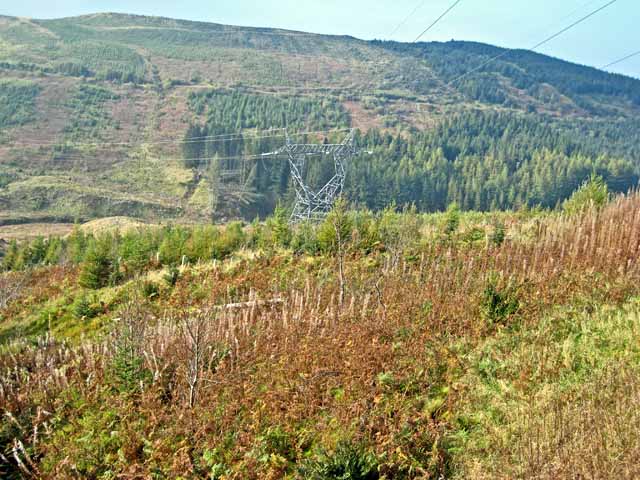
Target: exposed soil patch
<point>362,118</point>
<point>32,230</point>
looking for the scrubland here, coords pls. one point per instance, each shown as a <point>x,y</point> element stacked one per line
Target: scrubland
<point>391,345</point>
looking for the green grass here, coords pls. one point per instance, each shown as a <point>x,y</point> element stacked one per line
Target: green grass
<point>527,377</point>
<point>66,198</point>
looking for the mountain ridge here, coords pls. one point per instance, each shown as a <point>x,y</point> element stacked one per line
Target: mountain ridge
<point>137,81</point>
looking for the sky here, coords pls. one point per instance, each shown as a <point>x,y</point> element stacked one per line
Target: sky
<point>611,34</point>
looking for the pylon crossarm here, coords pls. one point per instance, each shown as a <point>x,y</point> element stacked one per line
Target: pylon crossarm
<point>310,204</point>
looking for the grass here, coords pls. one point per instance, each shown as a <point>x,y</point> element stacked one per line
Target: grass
<point>62,197</point>
<point>26,231</point>
<point>110,224</point>
<point>150,175</point>
<point>409,378</point>
<point>553,401</point>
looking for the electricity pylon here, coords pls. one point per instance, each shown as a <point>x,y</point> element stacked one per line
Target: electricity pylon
<point>310,204</point>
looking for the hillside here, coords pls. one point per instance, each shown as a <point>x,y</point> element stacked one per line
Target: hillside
<point>93,110</point>
<point>387,346</point>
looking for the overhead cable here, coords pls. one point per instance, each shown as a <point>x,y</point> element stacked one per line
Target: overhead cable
<point>620,60</point>
<point>437,20</point>
<point>536,46</point>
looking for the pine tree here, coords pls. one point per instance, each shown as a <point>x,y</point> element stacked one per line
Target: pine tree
<point>99,266</point>
<point>279,226</point>
<point>592,193</point>
<point>451,220</point>
<point>11,258</point>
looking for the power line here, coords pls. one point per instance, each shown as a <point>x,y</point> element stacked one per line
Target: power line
<point>538,45</point>
<point>621,60</point>
<point>577,22</point>
<point>573,12</point>
<point>555,22</point>
<point>221,138</point>
<point>230,137</point>
<point>79,156</point>
<point>407,18</point>
<point>437,20</point>
<point>206,160</point>
<point>202,160</point>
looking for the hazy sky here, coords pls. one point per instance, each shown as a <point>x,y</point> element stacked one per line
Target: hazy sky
<point>611,34</point>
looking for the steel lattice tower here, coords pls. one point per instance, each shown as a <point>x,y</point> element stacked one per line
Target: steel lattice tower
<point>310,204</point>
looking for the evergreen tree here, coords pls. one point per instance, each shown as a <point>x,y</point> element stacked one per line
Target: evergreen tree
<point>11,259</point>
<point>99,268</point>
<point>451,220</point>
<point>592,193</point>
<point>279,226</point>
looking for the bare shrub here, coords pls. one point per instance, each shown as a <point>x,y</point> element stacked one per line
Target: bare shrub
<point>12,286</point>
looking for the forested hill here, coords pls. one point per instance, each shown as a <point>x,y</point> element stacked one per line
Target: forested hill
<point>92,110</point>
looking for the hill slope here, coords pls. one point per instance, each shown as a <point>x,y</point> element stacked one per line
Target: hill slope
<point>93,110</point>
<point>441,346</point>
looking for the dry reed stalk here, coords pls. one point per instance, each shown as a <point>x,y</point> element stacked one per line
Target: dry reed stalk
<point>278,353</point>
